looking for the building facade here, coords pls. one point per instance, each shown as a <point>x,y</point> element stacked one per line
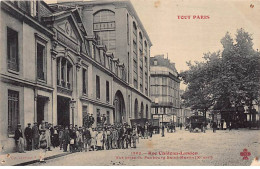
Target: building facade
<point>165,87</point>
<point>53,68</point>
<point>118,27</point>
<point>184,113</point>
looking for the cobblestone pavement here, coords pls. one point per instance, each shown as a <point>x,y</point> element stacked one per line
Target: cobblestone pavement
<point>220,148</point>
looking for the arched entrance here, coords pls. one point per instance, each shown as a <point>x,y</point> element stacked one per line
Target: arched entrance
<point>119,114</point>
<point>142,110</point>
<point>136,109</point>
<point>146,112</point>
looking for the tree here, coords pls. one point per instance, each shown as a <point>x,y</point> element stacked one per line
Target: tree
<point>227,79</point>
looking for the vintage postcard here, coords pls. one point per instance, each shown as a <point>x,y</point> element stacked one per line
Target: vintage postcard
<point>130,83</point>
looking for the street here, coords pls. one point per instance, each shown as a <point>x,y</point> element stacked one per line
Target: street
<point>179,148</point>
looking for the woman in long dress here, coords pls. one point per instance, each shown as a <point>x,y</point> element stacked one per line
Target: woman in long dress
<point>99,140</point>
<point>93,138</point>
<point>48,137</point>
<point>43,146</point>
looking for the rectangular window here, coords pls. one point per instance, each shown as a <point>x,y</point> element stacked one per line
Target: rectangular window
<point>107,91</point>
<point>13,111</point>
<point>40,54</point>
<point>85,81</point>
<point>98,87</point>
<point>12,50</point>
<point>164,90</point>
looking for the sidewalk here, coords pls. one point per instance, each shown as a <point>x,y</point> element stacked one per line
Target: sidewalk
<point>29,157</point>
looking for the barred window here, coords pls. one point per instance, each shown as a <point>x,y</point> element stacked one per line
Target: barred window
<point>13,111</point>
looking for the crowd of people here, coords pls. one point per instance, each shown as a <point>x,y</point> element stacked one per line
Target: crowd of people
<point>78,139</point>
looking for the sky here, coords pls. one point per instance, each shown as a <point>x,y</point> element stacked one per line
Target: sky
<point>187,39</point>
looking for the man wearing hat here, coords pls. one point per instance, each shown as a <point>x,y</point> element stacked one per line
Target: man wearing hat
<point>19,141</point>
<point>91,119</point>
<point>35,136</point>
<point>28,136</point>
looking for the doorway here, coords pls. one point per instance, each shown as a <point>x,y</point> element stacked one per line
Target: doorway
<point>41,108</point>
<point>63,111</point>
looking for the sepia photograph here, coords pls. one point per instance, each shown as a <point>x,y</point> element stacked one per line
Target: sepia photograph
<point>130,83</point>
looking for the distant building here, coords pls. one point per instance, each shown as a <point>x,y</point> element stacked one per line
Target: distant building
<point>165,87</point>
<point>184,113</point>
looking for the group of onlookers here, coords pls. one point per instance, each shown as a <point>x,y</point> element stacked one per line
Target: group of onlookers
<point>37,137</point>
<point>77,139</point>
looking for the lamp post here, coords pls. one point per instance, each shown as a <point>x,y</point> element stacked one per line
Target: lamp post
<point>72,103</point>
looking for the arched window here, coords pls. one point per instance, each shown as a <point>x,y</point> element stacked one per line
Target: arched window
<point>104,26</point>
<point>140,42</point>
<point>64,73</point>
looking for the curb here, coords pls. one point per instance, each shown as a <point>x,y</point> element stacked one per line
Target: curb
<point>47,158</point>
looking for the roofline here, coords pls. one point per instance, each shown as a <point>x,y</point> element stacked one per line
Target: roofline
<point>54,17</point>
<point>129,7</point>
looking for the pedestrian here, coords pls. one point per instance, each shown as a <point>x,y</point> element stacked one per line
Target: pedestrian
<point>146,130</point>
<point>104,137</point>
<point>28,137</point>
<point>52,134</point>
<point>120,137</point>
<point>224,125</point>
<point>114,138</point>
<point>87,139</point>
<point>100,140</point>
<point>162,130</point>
<point>134,135</point>
<point>124,135</point>
<point>71,128</point>
<point>230,126</point>
<point>80,139</point>
<point>48,136</point>
<point>128,136</point>
<point>43,145</point>
<point>61,137</point>
<point>66,139</point>
<point>19,141</point>
<point>109,138</point>
<point>150,128</point>
<point>93,139</point>
<point>138,132</point>
<point>180,126</point>
<point>35,136</point>
<point>73,137</point>
<point>91,120</point>
<point>55,137</point>
<point>214,126</point>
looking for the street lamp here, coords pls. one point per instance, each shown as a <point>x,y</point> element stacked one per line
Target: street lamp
<point>72,103</point>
